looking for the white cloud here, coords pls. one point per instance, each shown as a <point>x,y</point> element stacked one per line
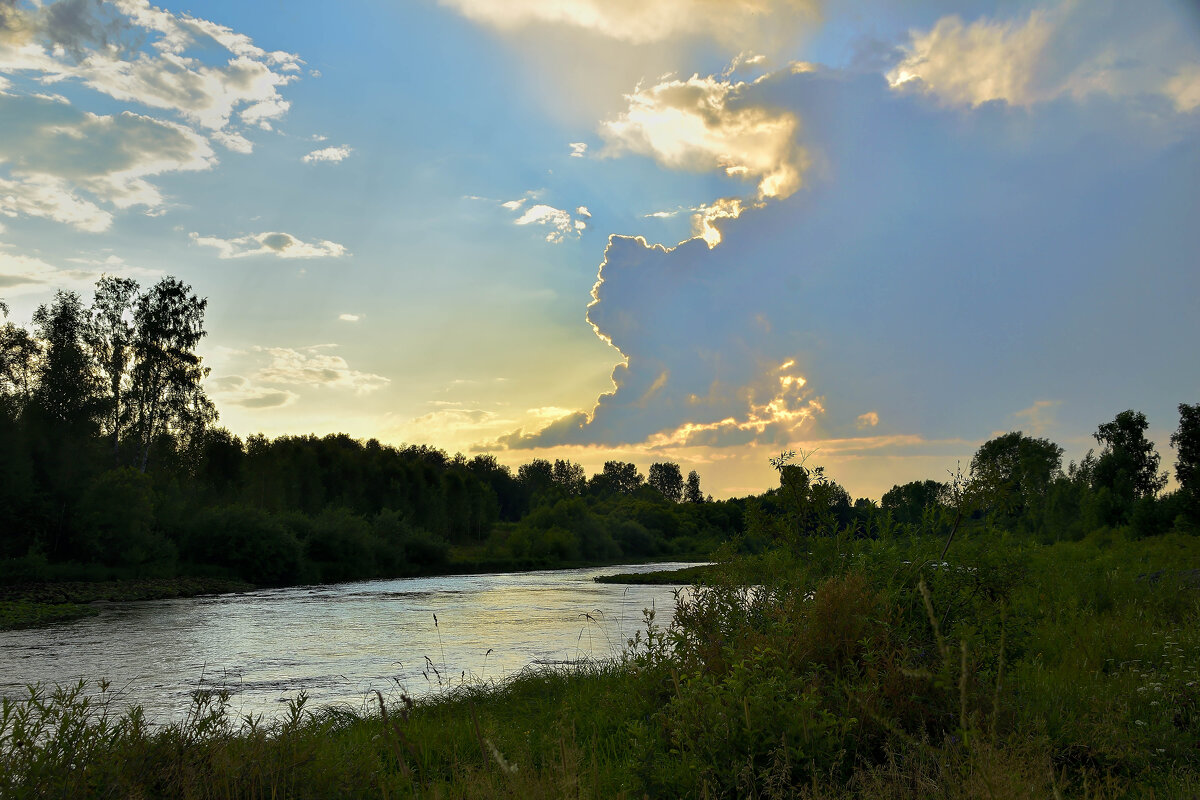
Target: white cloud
<point>135,52</point>
<point>238,391</point>
<point>63,163</point>
<point>711,124</point>
<point>281,245</point>
<point>560,223</point>
<point>1184,88</point>
<point>334,154</point>
<point>73,166</point>
<point>1073,50</point>
<point>1039,416</point>
<point>350,317</point>
<point>315,366</point>
<point>51,198</point>
<point>753,24</point>
<point>23,275</point>
<point>578,149</point>
<point>867,420</point>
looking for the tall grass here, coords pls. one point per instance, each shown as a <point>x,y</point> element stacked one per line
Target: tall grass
<point>845,668</point>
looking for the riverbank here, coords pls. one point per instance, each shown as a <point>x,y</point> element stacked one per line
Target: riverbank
<point>33,604</point>
<point>669,577</point>
<point>875,670</point>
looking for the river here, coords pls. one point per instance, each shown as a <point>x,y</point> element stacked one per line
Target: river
<point>338,643</point>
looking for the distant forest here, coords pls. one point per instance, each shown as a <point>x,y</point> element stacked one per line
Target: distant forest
<point>111,465</point>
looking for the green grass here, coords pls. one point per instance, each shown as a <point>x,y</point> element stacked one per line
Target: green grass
<point>682,576</point>
<point>31,605</point>
<point>859,669</point>
<point>17,614</point>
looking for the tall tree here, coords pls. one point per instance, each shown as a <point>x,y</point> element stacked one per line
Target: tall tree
<point>1186,441</point>
<point>19,353</point>
<point>569,477</point>
<point>667,478</point>
<point>1128,464</point>
<point>691,491</point>
<point>166,388</point>
<point>110,335</point>
<point>66,391</point>
<point>1013,472</point>
<point>617,477</point>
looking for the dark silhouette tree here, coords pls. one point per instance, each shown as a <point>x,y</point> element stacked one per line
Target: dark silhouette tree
<point>110,337</point>
<point>617,477</point>
<point>66,390</point>
<point>19,352</point>
<point>691,490</point>
<point>1127,468</point>
<point>1128,455</point>
<point>1012,473</point>
<point>667,479</point>
<point>908,503</point>
<point>569,477</point>
<point>1186,441</point>
<point>166,382</point>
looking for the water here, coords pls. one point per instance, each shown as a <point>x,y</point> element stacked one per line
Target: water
<point>338,643</point>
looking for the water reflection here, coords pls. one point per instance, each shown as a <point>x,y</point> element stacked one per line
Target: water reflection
<point>336,642</point>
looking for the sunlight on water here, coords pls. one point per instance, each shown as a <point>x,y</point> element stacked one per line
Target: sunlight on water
<point>338,643</point>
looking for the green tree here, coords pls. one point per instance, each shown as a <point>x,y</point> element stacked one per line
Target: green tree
<point>667,478</point>
<point>1012,473</point>
<point>166,387</point>
<point>19,353</point>
<point>66,390</point>
<point>617,477</point>
<point>569,477</point>
<point>110,336</point>
<point>1127,467</point>
<point>691,490</point>
<point>1186,441</point>
<point>908,503</point>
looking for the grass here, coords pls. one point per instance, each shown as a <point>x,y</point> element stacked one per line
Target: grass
<point>18,614</point>
<point>31,605</point>
<point>862,669</point>
<point>666,577</point>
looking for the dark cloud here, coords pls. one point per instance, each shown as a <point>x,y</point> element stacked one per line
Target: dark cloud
<point>961,249</point>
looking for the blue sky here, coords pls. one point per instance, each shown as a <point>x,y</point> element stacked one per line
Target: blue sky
<point>665,229</point>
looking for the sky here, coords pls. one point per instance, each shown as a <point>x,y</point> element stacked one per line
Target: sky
<point>704,231</point>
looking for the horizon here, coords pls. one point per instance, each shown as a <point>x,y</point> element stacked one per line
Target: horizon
<point>665,232</point>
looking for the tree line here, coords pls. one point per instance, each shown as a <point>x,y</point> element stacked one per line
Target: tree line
<point>111,464</point>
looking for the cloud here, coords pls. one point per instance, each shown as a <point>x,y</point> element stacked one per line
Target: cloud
<point>281,245</point>
<point>315,366</point>
<point>560,222</point>
<point>868,269</point>
<point>753,24</point>
<point>713,124</point>
<point>135,52</point>
<point>350,317</point>
<point>867,420</point>
<point>1039,416</point>
<point>709,124</point>
<point>22,274</point>
<point>334,154</point>
<point>238,391</point>
<point>63,164</point>
<point>578,149</point>
<point>1073,50</point>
